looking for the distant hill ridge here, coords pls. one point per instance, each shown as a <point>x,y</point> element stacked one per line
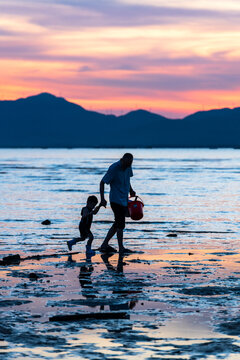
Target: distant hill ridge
<point>45,120</point>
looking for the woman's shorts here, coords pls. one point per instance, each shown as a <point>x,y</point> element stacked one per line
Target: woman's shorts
<point>120,212</point>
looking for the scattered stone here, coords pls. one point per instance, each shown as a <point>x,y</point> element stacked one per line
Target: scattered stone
<point>33,276</point>
<point>95,316</point>
<point>11,260</point>
<point>190,254</point>
<point>46,222</point>
<point>172,235</point>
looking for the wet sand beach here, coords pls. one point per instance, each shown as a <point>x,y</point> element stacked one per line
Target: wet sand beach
<point>175,297</point>
<point>176,304</point>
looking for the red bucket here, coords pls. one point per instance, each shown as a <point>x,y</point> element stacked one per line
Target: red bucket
<point>135,208</point>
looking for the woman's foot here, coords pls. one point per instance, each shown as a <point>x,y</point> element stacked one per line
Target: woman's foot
<point>125,251</point>
<point>107,249</point>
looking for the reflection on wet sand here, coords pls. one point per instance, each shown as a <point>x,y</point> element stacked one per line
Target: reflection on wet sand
<point>175,302</point>
<point>118,300</point>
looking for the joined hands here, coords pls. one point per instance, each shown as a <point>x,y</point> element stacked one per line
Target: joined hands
<point>103,203</point>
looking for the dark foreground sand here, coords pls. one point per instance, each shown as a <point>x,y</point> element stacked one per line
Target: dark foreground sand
<point>156,304</point>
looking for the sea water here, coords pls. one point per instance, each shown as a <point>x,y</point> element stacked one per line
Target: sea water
<point>183,189</point>
<point>187,242</point>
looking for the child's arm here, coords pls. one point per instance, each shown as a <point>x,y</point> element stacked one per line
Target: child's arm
<point>96,209</point>
<point>86,212</point>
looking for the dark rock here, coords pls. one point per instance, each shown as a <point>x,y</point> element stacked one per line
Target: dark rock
<point>33,276</point>
<point>95,316</point>
<point>46,222</point>
<point>11,259</point>
<point>172,235</point>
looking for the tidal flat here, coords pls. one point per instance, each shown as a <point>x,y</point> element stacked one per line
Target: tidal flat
<point>175,297</point>
<point>182,304</point>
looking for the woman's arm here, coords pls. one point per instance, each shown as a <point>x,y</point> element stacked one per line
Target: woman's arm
<point>103,201</point>
<point>132,192</point>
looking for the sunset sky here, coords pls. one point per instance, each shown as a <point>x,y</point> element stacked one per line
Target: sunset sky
<point>172,57</point>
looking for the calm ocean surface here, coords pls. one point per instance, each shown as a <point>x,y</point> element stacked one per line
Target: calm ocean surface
<point>183,190</point>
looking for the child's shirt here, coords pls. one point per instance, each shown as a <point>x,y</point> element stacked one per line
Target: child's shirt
<point>86,220</point>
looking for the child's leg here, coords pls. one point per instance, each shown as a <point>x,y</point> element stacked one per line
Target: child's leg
<point>90,240</point>
<point>70,244</point>
<point>79,239</point>
<point>89,251</point>
<point>83,234</point>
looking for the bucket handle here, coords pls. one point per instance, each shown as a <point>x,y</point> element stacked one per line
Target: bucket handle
<point>137,197</point>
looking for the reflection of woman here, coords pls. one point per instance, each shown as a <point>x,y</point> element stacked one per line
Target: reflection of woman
<point>120,299</point>
<point>109,266</point>
<point>124,304</point>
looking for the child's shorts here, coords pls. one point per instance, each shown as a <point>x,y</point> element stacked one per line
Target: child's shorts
<point>84,233</point>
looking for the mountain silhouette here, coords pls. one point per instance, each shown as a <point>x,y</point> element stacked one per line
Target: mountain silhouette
<point>45,120</point>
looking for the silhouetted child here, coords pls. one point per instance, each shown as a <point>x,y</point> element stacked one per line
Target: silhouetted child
<point>85,224</point>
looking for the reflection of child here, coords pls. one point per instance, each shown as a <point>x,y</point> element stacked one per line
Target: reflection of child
<point>85,224</point>
<point>85,281</point>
